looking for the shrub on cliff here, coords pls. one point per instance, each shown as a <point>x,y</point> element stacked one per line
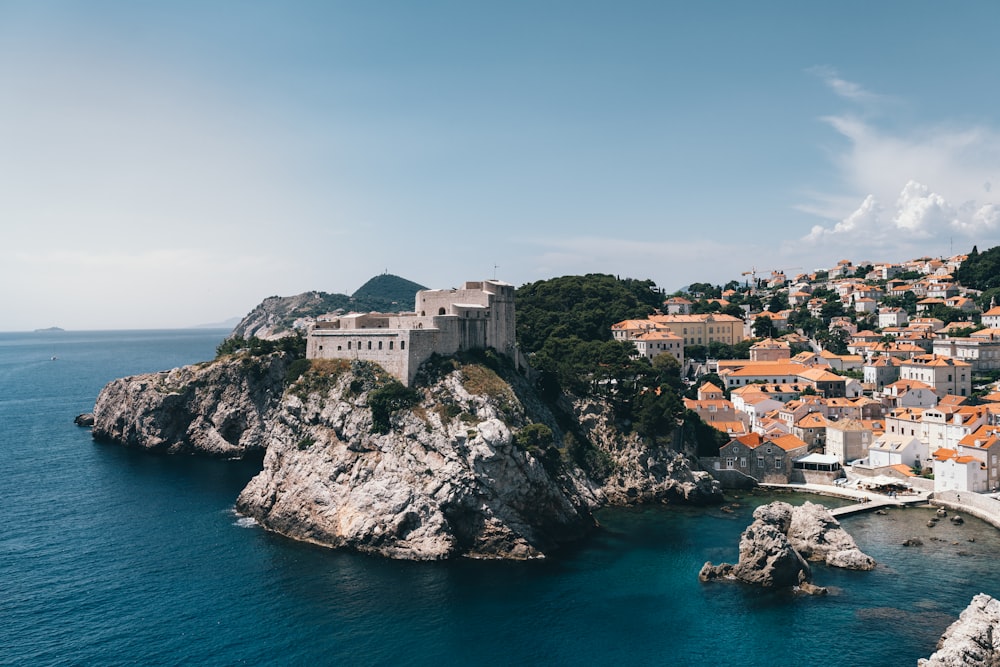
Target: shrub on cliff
<point>387,399</point>
<point>258,347</point>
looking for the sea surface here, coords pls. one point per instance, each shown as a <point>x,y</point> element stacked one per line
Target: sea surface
<point>115,557</point>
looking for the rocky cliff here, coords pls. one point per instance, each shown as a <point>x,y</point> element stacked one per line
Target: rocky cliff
<point>221,408</point>
<point>971,641</point>
<point>467,463</point>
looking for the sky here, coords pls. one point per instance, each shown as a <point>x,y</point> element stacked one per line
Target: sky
<point>170,164</point>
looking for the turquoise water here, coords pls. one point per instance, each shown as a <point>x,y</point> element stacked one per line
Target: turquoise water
<point>114,557</point>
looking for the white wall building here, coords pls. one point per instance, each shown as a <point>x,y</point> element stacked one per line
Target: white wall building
<point>478,316</point>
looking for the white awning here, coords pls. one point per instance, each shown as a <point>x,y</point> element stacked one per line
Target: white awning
<point>822,459</point>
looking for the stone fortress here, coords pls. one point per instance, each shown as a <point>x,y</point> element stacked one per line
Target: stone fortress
<point>478,316</point>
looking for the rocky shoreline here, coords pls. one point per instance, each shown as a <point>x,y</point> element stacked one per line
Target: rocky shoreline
<point>445,470</point>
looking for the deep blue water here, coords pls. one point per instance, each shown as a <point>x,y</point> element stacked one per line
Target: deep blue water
<point>112,557</point>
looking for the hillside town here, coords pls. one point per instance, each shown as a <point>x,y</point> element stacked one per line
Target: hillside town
<point>882,375</point>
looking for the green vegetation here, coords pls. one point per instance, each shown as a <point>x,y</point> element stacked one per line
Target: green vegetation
<point>385,293</point>
<point>317,376</point>
<point>258,347</point>
<point>537,440</point>
<point>567,326</point>
<point>582,307</point>
<point>980,271</point>
<point>386,400</point>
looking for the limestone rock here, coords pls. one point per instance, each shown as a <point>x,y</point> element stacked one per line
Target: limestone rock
<point>86,419</point>
<point>767,557</point>
<point>818,536</point>
<point>433,487</point>
<point>219,409</point>
<point>447,478</point>
<point>973,640</point>
<point>642,474</point>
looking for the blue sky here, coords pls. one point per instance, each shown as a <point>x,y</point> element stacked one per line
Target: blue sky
<point>169,164</point>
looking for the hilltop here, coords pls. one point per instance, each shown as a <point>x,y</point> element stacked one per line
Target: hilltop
<point>278,315</point>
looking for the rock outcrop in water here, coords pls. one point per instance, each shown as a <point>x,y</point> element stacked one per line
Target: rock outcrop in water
<point>767,558</point>
<point>774,548</point>
<point>818,536</point>
<point>971,641</point>
<point>355,461</point>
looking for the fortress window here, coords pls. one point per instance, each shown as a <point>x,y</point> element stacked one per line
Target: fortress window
<point>402,344</point>
<point>440,311</point>
<point>380,345</point>
<point>369,345</point>
<point>348,345</point>
<point>339,347</point>
<point>390,344</point>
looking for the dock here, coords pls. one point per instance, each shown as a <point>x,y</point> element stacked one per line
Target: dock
<point>879,502</point>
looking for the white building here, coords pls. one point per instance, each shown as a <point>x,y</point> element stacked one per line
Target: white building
<point>956,472</point>
<point>891,449</point>
<point>478,316</point>
<point>943,374</point>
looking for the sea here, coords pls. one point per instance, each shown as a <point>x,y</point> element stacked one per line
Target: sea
<point>116,557</point>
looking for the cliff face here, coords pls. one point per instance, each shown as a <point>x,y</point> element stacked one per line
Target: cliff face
<point>442,471</point>
<point>220,408</point>
<point>442,482</point>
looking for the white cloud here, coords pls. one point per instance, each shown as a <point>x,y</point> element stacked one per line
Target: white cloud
<point>924,185</point>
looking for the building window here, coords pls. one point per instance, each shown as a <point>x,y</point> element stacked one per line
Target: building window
<point>778,463</point>
<point>380,345</point>
<point>729,463</point>
<point>402,344</point>
<point>348,345</point>
<point>760,461</point>
<point>441,311</point>
<point>369,345</point>
<point>390,344</point>
<point>743,462</point>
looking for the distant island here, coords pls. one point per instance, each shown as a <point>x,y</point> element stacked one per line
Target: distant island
<point>49,329</point>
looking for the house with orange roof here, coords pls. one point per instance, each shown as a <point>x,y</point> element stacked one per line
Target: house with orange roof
<point>880,371</point>
<point>962,303</point>
<point>677,305</point>
<point>770,349</point>
<point>984,444</point>
<point>891,316</point>
<point>991,318</point>
<point>981,349</point>
<point>848,439</point>
<point>650,344</point>
<point>893,449</point>
<point>959,472</point>
<point>907,394</point>
<point>811,429</point>
<point>754,403</point>
<point>944,374</point>
<point>764,458</point>
<point>703,328</point>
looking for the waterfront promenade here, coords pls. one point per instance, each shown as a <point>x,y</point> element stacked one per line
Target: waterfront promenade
<point>981,506</point>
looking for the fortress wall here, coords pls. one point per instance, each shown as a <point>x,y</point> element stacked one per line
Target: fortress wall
<point>389,347</point>
<point>479,315</point>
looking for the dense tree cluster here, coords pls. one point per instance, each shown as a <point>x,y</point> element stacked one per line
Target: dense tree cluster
<point>564,324</point>
<point>584,307</point>
<point>980,271</point>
